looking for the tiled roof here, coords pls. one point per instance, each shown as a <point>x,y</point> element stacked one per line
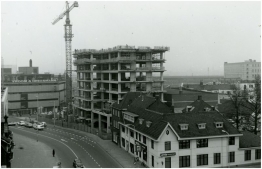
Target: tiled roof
<point>127,100</point>
<point>198,105</point>
<point>249,140</point>
<point>192,119</point>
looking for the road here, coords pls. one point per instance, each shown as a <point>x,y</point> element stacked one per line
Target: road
<point>70,145</point>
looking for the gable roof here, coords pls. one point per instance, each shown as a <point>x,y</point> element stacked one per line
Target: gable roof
<point>127,100</point>
<point>192,119</point>
<point>198,105</point>
<point>249,140</point>
<point>159,106</point>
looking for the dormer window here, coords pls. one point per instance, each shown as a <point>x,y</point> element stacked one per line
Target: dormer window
<point>201,125</point>
<point>189,108</point>
<point>141,120</point>
<point>148,123</point>
<point>183,126</point>
<point>219,124</point>
<point>129,116</point>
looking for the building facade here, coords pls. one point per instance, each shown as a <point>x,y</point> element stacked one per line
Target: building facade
<point>104,76</point>
<point>148,130</point>
<point>244,70</point>
<point>24,96</point>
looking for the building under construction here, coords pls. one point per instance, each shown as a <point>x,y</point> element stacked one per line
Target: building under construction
<point>105,76</point>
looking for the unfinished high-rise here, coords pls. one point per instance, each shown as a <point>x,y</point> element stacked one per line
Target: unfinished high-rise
<point>104,76</point>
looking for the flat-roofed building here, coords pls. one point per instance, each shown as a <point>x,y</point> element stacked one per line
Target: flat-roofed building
<point>244,70</point>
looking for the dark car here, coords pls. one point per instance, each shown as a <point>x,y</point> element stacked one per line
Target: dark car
<point>78,163</point>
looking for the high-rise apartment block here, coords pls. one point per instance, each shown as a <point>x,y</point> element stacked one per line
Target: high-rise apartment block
<point>105,76</point>
<point>244,70</point>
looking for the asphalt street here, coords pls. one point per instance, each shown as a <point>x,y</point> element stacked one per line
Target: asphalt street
<point>70,145</point>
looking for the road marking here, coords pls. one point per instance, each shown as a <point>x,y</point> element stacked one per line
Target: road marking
<point>52,139</point>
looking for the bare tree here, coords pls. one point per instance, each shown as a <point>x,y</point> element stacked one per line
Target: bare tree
<point>254,104</point>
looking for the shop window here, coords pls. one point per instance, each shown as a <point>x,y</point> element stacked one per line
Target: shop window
<point>258,154</point>
<point>231,157</point>
<point>217,158</point>
<point>247,155</point>
<point>202,159</point>
<point>184,161</point>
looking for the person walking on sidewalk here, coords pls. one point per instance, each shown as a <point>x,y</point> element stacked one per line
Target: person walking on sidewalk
<point>53,152</point>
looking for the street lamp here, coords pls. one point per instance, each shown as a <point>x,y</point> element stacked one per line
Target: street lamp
<point>228,163</point>
<point>37,115</point>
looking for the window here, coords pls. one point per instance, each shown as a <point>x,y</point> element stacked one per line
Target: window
<point>231,141</point>
<point>184,144</point>
<point>136,136</point>
<point>153,161</point>
<point>144,139</point>
<point>118,113</point>
<point>132,133</point>
<point>219,124</point>
<point>145,155</point>
<point>258,154</point>
<point>132,148</point>
<point>184,161</point>
<point>152,144</point>
<point>202,159</point>
<point>139,137</point>
<point>217,158</point>
<point>231,157</point>
<point>247,155</point>
<point>168,162</point>
<point>202,143</point>
<point>168,145</point>
<point>123,129</point>
<point>202,126</point>
<point>183,126</point>
<point>123,142</point>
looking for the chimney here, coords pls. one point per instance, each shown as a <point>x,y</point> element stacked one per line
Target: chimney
<point>30,63</point>
<point>199,97</point>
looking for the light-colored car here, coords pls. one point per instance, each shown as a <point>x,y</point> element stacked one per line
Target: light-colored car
<point>29,125</point>
<point>21,123</point>
<point>38,127</point>
<point>12,123</point>
<point>43,124</point>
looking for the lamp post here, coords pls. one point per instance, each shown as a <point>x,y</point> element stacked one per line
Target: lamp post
<point>228,163</point>
<point>37,115</point>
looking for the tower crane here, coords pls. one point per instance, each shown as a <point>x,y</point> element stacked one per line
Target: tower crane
<point>68,38</point>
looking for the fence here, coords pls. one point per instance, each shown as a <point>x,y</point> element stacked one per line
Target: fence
<point>76,126</point>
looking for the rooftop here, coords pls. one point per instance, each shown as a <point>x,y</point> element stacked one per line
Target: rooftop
<point>123,48</point>
<point>249,140</point>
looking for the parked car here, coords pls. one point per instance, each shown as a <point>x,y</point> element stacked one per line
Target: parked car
<point>43,124</point>
<point>78,163</point>
<point>38,126</point>
<point>21,123</point>
<point>12,123</point>
<point>29,125</point>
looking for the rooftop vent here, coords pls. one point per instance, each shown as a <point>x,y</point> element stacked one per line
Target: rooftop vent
<point>201,125</point>
<point>148,123</point>
<point>141,120</point>
<point>183,126</point>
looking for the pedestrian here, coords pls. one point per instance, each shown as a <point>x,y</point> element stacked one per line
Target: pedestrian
<point>53,152</point>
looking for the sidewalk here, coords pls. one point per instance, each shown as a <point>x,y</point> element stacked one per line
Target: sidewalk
<point>125,159</point>
<point>31,154</point>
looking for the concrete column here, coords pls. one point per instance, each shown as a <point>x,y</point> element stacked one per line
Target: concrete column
<point>107,124</point>
<point>92,121</point>
<point>99,123</point>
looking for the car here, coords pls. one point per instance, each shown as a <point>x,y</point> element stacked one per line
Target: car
<point>78,163</point>
<point>38,126</point>
<point>12,123</point>
<point>43,124</point>
<point>230,120</point>
<point>21,123</point>
<point>29,125</point>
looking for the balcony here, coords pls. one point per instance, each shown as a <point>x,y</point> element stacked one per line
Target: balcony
<point>82,61</point>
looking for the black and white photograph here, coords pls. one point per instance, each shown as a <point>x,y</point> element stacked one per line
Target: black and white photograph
<point>130,84</point>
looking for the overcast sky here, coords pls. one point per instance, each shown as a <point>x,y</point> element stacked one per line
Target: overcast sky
<point>200,35</point>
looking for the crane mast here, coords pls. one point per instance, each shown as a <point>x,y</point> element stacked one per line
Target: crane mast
<point>68,38</point>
